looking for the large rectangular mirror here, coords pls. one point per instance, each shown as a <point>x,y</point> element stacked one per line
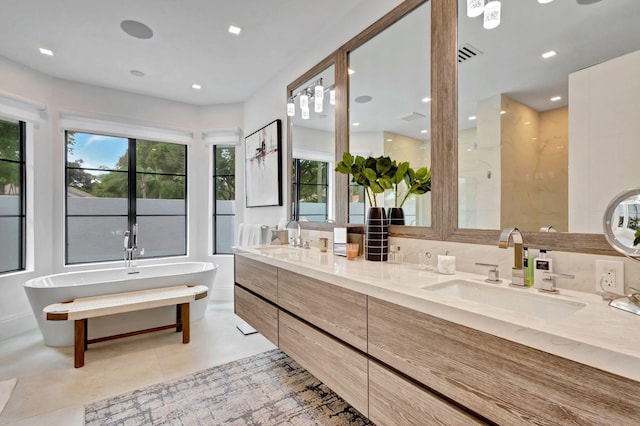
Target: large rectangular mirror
<point>547,113</point>
<point>389,109</point>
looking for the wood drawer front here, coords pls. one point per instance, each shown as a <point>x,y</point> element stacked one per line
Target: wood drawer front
<point>396,401</point>
<point>258,277</point>
<point>335,364</point>
<point>504,382</point>
<point>260,314</point>
<point>340,312</point>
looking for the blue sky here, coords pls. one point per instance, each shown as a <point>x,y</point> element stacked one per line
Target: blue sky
<point>98,150</point>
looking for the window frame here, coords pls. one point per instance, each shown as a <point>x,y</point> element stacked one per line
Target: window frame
<point>214,198</point>
<point>22,203</point>
<point>132,200</point>
<point>297,185</point>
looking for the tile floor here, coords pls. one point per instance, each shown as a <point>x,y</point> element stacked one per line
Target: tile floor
<point>50,391</point>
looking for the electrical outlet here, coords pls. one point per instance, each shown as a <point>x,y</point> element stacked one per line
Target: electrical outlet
<point>610,277</point>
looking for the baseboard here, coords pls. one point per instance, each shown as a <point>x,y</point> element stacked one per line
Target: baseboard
<point>16,324</point>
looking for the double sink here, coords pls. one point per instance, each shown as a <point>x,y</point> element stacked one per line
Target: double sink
<point>523,302</point>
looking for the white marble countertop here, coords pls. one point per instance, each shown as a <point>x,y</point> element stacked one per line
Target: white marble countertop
<point>597,334</point>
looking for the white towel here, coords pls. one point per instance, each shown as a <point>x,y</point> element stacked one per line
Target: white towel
<point>249,234</point>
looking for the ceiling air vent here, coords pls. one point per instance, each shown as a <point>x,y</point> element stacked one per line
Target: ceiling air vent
<point>413,116</point>
<point>466,52</point>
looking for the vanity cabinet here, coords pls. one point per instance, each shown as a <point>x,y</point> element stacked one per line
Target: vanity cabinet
<point>260,314</point>
<point>394,400</point>
<point>399,366</point>
<point>338,311</point>
<point>502,381</point>
<point>258,277</point>
<point>335,364</point>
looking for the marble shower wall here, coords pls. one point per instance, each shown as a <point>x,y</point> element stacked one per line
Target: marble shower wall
<point>534,160</point>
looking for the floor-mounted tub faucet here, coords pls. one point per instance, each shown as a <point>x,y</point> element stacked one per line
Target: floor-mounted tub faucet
<point>131,249</point>
<point>517,272</point>
<point>127,249</point>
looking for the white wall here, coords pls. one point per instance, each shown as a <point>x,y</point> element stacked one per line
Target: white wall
<point>604,101</point>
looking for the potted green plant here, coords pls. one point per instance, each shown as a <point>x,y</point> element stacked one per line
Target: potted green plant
<point>375,175</point>
<point>416,182</point>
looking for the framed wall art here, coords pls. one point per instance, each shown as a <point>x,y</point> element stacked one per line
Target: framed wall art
<point>263,166</point>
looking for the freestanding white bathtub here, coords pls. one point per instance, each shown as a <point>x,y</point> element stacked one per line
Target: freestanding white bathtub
<point>56,288</point>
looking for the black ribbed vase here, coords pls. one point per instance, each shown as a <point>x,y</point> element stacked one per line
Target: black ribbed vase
<point>377,240</point>
<point>396,216</point>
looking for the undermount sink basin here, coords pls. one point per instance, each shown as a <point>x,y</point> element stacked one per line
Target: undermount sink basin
<point>519,301</point>
<point>282,251</point>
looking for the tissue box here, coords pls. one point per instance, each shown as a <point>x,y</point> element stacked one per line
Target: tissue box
<point>279,237</point>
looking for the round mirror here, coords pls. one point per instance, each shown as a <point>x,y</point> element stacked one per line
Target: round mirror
<point>622,222</point>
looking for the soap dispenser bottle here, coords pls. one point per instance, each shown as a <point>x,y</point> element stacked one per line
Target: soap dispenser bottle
<point>541,264</point>
<point>527,265</point>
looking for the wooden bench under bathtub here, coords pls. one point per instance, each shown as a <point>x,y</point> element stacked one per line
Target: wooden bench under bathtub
<point>79,310</point>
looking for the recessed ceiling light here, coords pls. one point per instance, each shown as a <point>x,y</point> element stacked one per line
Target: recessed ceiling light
<point>356,124</point>
<point>503,112</point>
<point>136,29</point>
<point>426,99</point>
<point>544,1</point>
<point>350,71</point>
<point>424,131</point>
<point>556,98</point>
<point>137,73</point>
<point>549,54</point>
<point>389,140</point>
<point>235,30</point>
<point>46,51</point>
<point>473,117</point>
<point>196,86</point>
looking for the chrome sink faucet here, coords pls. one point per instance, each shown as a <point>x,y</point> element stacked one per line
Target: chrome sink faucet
<point>297,239</point>
<point>549,281</point>
<point>517,272</point>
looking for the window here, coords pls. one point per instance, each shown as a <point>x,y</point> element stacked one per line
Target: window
<point>224,196</point>
<point>12,195</point>
<point>310,190</point>
<point>114,183</point>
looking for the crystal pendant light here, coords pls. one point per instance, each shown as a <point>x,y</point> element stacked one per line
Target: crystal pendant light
<point>475,8</point>
<point>332,96</point>
<point>291,108</point>
<point>318,92</point>
<point>304,112</point>
<point>304,101</point>
<point>492,14</point>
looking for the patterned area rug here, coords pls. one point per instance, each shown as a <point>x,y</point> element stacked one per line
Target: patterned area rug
<point>265,389</point>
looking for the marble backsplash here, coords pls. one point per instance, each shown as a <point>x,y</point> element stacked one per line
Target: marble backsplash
<point>583,266</point>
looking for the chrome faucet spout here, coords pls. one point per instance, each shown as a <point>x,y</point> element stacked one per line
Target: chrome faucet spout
<point>517,272</point>
<point>515,235</point>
